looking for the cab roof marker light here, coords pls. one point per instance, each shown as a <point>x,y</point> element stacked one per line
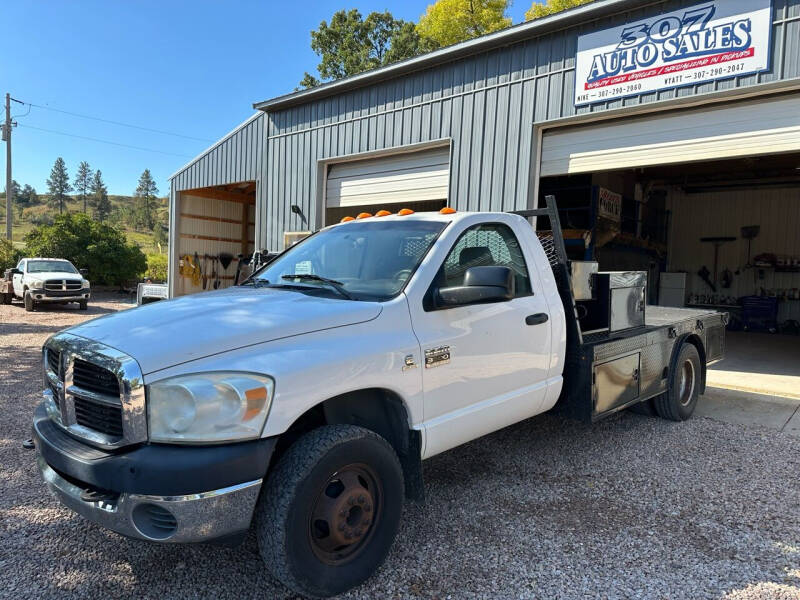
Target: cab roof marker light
<point>347,219</point>
<point>447,210</point>
<point>364,215</point>
<point>405,211</point>
<point>382,213</point>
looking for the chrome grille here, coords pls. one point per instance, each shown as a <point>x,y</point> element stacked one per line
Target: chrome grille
<point>54,362</point>
<point>94,378</point>
<point>63,284</point>
<point>102,417</point>
<point>98,395</point>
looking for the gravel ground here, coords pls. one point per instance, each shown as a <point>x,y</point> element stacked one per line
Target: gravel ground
<point>632,507</point>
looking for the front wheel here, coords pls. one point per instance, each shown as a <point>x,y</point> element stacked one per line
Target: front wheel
<point>678,403</point>
<point>30,305</point>
<point>83,305</point>
<point>330,510</point>
<point>8,297</point>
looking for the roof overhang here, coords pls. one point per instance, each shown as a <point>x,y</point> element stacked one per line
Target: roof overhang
<point>505,37</point>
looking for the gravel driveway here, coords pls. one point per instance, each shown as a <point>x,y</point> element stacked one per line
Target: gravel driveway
<point>632,507</point>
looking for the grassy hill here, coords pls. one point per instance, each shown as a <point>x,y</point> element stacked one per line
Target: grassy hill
<point>33,214</point>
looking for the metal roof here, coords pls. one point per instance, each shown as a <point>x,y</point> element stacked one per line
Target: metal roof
<point>504,37</point>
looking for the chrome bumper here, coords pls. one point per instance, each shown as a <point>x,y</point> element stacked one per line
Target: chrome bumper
<point>198,517</point>
<point>41,296</point>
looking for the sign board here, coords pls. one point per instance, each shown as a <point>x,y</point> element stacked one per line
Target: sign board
<point>699,43</point>
<point>609,205</point>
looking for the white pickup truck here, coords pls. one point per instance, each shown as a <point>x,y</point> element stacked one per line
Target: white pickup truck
<point>45,281</point>
<point>304,401</point>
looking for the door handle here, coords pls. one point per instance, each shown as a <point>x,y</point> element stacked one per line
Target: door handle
<point>536,319</point>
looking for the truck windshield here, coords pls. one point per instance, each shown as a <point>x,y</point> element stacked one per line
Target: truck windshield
<point>369,260</point>
<point>50,266</point>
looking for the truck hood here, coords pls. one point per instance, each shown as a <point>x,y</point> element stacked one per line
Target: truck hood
<point>54,275</point>
<point>167,333</point>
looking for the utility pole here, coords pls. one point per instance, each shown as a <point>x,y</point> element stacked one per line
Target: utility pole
<point>9,187</point>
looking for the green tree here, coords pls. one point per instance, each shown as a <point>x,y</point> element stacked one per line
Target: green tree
<point>83,181</point>
<point>542,9</point>
<point>58,184</point>
<point>89,244</point>
<point>448,22</point>
<point>156,267</point>
<point>9,256</point>
<point>27,196</point>
<point>146,197</point>
<point>101,205</point>
<point>350,44</point>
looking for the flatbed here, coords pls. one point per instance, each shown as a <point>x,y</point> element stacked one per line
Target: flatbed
<point>607,371</point>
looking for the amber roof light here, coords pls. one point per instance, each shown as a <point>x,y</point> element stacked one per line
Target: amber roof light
<point>364,215</point>
<point>447,210</point>
<point>347,219</point>
<point>382,213</point>
<point>405,211</point>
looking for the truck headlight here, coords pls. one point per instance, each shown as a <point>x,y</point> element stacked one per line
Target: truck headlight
<point>209,407</point>
<point>85,283</point>
<point>36,284</point>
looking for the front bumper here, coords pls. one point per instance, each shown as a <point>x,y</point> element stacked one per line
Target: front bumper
<point>155,492</point>
<point>59,296</point>
<point>203,517</point>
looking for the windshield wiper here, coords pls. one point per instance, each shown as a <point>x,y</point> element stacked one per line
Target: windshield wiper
<point>256,282</point>
<point>337,285</point>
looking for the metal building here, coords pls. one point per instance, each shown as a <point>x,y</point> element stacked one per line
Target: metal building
<point>643,118</point>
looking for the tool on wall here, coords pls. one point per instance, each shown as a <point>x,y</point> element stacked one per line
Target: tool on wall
<point>196,276</point>
<point>225,260</point>
<point>215,272</point>
<point>749,233</point>
<point>717,241</point>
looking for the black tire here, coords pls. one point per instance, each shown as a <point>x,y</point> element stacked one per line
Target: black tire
<point>679,402</point>
<point>83,305</point>
<point>8,297</point>
<point>298,521</point>
<point>30,305</point>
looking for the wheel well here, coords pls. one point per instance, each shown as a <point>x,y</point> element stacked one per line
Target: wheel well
<point>376,409</point>
<point>695,340</point>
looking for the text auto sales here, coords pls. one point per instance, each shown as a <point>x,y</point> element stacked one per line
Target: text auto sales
<point>672,39</point>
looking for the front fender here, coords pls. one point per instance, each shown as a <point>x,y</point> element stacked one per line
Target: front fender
<point>311,368</point>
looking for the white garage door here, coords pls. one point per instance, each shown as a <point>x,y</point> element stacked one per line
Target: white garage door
<point>767,126</point>
<point>408,177</point>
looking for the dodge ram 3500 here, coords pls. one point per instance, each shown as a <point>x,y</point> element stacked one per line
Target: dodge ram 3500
<point>304,401</point>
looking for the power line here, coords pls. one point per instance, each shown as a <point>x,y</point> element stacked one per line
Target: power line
<point>91,139</point>
<point>162,132</point>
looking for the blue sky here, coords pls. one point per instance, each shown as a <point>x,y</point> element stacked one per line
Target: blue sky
<point>187,67</point>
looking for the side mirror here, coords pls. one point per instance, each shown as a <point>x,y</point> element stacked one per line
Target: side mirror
<point>481,285</point>
<point>16,271</point>
<point>83,272</point>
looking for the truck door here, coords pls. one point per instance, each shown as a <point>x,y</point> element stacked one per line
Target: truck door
<point>485,366</point>
<point>16,280</point>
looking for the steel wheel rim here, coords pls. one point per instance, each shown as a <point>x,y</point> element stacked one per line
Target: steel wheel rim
<point>686,383</point>
<point>345,514</point>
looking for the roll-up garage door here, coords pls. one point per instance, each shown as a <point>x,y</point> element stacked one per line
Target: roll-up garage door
<point>407,177</point>
<point>767,126</point>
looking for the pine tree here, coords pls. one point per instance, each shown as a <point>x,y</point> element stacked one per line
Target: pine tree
<point>146,195</point>
<point>100,203</point>
<point>58,184</point>
<point>83,181</point>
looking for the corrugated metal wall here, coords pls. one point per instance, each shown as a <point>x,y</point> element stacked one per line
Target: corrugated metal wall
<point>237,157</point>
<point>487,104</point>
<point>724,213</point>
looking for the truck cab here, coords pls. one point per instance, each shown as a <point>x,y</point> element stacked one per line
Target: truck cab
<point>304,401</point>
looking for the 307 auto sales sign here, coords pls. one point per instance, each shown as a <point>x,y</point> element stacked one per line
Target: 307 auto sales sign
<point>704,42</point>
